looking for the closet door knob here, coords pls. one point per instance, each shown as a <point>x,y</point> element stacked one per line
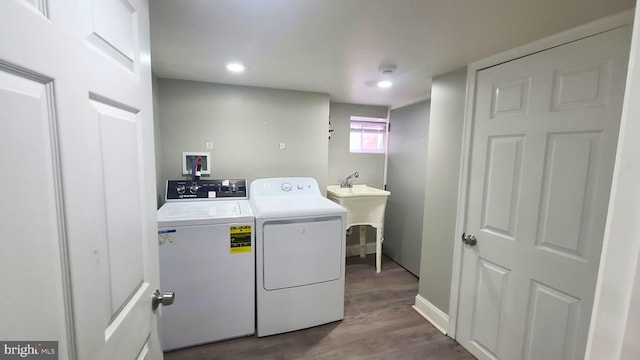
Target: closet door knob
<point>469,239</point>
<point>165,299</point>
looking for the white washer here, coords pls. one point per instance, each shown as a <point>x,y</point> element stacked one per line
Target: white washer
<point>206,238</point>
<point>300,255</point>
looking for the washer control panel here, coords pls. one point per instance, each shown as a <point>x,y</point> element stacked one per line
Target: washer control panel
<point>206,189</point>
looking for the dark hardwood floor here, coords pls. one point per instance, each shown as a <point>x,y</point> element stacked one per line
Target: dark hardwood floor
<point>379,323</point>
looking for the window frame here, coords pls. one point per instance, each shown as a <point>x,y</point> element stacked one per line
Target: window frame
<point>378,126</point>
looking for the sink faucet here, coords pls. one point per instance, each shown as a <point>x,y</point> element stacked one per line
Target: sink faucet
<point>348,182</point>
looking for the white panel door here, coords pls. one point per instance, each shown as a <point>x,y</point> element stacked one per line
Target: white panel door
<point>78,202</point>
<point>544,142</point>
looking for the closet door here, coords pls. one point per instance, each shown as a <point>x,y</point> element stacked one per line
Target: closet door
<point>543,149</point>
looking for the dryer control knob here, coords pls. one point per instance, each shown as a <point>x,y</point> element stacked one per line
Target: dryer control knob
<point>300,186</point>
<point>286,187</point>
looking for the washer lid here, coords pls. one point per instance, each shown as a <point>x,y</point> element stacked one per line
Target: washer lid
<point>294,206</point>
<point>204,213</point>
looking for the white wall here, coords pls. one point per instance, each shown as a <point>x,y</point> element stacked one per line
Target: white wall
<point>406,170</point>
<point>245,125</point>
<point>441,192</point>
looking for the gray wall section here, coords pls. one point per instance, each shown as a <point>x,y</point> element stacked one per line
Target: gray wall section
<point>245,125</point>
<point>341,162</point>
<point>441,193</point>
<point>157,139</point>
<point>405,179</point>
<point>370,167</point>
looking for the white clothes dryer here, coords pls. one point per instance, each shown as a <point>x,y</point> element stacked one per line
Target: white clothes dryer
<point>206,247</point>
<point>300,255</point>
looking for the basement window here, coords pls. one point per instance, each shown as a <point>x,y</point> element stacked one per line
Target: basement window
<point>367,135</point>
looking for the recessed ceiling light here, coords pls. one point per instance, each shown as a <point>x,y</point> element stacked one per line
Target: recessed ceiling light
<point>384,84</point>
<point>235,67</point>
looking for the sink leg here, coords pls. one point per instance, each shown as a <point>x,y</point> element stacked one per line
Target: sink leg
<point>378,249</point>
<point>363,241</point>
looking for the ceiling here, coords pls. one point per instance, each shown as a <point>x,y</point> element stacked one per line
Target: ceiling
<point>337,46</point>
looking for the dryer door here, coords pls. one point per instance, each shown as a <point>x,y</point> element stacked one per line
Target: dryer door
<point>304,252</point>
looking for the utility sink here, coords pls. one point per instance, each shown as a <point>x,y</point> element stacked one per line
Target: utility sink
<point>365,206</point>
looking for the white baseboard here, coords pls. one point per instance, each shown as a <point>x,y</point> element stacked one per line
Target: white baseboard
<point>354,250</point>
<point>434,315</point>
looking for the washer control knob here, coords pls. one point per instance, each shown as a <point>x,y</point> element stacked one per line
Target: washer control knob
<point>194,188</point>
<point>286,187</point>
<point>300,186</point>
<point>180,189</point>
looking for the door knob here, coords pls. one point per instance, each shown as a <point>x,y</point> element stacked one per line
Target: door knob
<point>165,299</point>
<point>469,239</point>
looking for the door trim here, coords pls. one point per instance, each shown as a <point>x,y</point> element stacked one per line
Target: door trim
<point>590,29</point>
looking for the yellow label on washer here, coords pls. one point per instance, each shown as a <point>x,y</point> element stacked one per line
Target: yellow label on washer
<point>240,237</point>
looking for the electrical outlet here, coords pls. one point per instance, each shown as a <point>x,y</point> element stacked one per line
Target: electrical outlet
<point>209,145</point>
<point>283,146</point>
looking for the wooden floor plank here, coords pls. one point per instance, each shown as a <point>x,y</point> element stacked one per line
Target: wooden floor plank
<point>379,323</point>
